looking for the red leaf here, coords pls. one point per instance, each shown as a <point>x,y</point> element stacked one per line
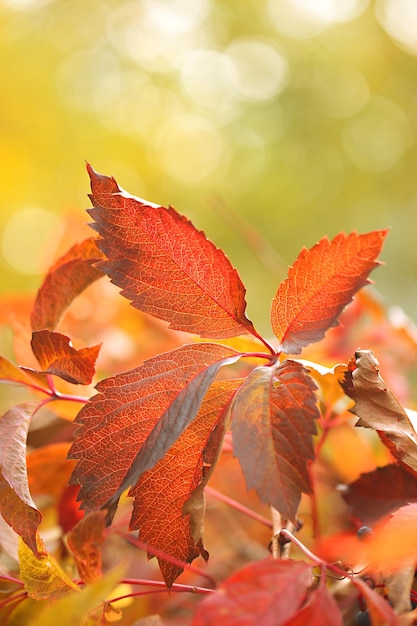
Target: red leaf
<point>380,492</point>
<point>266,593</point>
<point>16,504</point>
<point>169,502</point>
<point>137,416</point>
<point>66,279</point>
<point>320,284</point>
<point>381,613</point>
<point>165,266</point>
<point>378,408</point>
<point>321,610</point>
<point>273,425</point>
<point>56,356</point>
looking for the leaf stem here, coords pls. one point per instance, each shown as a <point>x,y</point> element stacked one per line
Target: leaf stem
<point>316,559</point>
<point>239,507</point>
<point>157,583</point>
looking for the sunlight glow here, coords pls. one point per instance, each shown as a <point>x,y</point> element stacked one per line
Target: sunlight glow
<point>27,243</point>
<point>399,19</point>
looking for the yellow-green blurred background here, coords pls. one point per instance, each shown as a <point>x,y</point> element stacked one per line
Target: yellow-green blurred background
<point>295,116</point>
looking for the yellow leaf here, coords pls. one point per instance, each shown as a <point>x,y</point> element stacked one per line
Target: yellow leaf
<point>76,608</point>
<point>43,577</point>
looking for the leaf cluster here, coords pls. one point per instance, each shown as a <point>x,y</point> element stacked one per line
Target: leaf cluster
<point>153,435</point>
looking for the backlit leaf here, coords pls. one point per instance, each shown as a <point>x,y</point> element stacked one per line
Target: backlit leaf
<point>84,541</point>
<point>49,469</point>
<point>320,284</point>
<point>169,501</point>
<point>13,374</point>
<point>273,423</point>
<point>56,355</point>
<point>165,266</point>
<point>16,503</point>
<point>42,575</point>
<point>378,408</point>
<point>79,609</point>
<point>264,592</point>
<point>136,418</point>
<point>66,279</point>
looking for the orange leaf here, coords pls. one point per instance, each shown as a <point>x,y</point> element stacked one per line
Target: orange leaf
<point>56,356</point>
<point>378,408</point>
<point>137,416</point>
<point>16,504</point>
<point>49,469</point>
<point>273,423</point>
<point>165,266</point>
<point>267,593</point>
<point>84,541</point>
<point>66,279</point>
<point>11,373</point>
<point>320,284</point>
<point>169,502</point>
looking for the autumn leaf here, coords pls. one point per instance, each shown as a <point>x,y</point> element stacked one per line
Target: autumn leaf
<point>12,374</point>
<point>169,502</point>
<point>378,408</point>
<point>165,266</point>
<point>84,541</point>
<point>42,575</point>
<point>380,492</point>
<point>273,423</point>
<point>82,608</point>
<point>320,610</point>
<point>16,503</point>
<point>56,355</point>
<point>264,592</point>
<point>66,279</point>
<point>320,284</point>
<point>136,417</point>
<point>49,469</point>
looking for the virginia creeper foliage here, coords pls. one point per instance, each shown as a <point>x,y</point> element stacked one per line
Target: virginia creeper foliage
<point>157,432</point>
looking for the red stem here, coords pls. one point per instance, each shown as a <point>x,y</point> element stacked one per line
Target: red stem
<point>239,507</point>
<point>157,583</point>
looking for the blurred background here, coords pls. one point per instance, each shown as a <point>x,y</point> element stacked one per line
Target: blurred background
<point>269,123</point>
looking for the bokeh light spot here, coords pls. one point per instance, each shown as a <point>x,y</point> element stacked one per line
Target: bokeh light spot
<point>399,19</point>
<point>29,240</point>
<point>206,77</point>
<point>378,137</point>
<point>261,71</point>
<point>305,19</point>
<point>339,90</point>
<point>190,148</point>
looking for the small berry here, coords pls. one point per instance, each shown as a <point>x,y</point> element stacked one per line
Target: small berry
<point>364,533</point>
<point>362,619</point>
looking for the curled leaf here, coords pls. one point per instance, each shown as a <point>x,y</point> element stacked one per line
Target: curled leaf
<point>56,355</point>
<point>16,504</point>
<point>66,279</point>
<point>378,408</point>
